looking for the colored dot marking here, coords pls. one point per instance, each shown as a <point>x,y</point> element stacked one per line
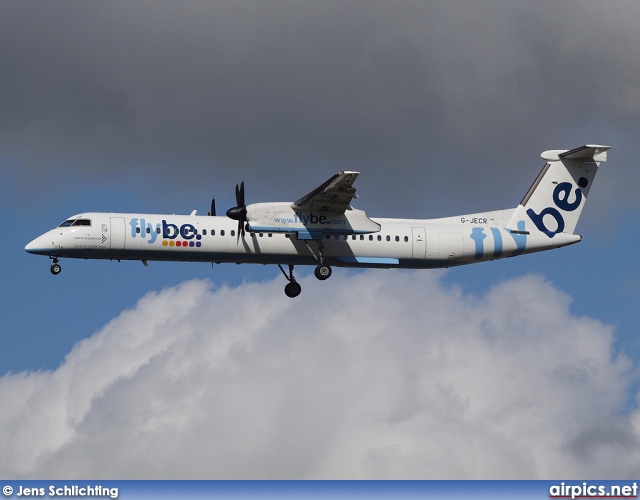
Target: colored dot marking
<point>181,243</point>
<point>583,182</point>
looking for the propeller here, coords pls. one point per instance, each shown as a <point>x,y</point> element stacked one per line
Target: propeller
<point>213,207</point>
<point>239,212</point>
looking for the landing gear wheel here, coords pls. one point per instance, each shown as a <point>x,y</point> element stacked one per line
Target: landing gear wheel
<point>292,289</point>
<point>323,272</point>
<point>55,269</point>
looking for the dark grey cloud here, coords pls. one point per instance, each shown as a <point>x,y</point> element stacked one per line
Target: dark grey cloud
<point>428,98</point>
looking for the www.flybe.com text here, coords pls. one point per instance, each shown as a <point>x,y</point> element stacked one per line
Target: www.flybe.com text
<point>309,218</point>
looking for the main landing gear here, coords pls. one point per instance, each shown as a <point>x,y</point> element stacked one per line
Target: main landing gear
<point>322,271</point>
<point>55,267</point>
<point>293,288</point>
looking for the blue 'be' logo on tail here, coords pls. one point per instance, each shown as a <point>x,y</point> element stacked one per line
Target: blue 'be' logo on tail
<point>561,199</point>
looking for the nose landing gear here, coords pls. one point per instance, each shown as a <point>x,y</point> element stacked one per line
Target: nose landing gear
<point>55,267</point>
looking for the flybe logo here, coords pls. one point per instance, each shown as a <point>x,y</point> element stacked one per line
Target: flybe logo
<point>185,235</point>
<point>309,218</point>
<point>478,235</point>
<point>561,195</point>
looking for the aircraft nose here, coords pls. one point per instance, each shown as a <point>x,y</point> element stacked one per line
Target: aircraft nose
<point>37,246</point>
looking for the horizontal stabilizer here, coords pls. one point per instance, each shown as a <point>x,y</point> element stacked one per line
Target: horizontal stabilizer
<point>590,152</point>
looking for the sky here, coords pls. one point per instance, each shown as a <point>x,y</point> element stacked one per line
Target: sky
<point>522,368</point>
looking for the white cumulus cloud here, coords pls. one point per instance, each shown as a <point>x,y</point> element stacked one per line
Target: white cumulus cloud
<point>369,375</point>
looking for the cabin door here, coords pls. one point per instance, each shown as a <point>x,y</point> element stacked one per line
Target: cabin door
<point>117,233</point>
<point>419,242</point>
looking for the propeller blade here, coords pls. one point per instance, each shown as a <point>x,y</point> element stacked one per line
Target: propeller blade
<point>239,212</point>
<point>240,195</point>
<point>213,207</point>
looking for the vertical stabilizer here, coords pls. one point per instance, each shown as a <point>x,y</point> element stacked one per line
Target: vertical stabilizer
<point>555,201</point>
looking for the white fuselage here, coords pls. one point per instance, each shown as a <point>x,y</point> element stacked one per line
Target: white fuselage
<point>323,229</point>
<point>401,243</point>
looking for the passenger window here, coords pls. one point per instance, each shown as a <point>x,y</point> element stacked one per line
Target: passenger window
<point>204,232</point>
<point>138,229</point>
<point>379,238</point>
<point>148,230</point>
<point>222,233</point>
<point>233,233</point>
<point>388,238</point>
<point>397,238</point>
<point>406,239</point>
<point>158,230</point>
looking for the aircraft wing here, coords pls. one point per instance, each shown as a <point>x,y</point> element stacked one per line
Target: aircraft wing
<point>335,195</point>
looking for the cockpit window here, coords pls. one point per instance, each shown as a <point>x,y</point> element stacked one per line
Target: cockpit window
<point>76,222</point>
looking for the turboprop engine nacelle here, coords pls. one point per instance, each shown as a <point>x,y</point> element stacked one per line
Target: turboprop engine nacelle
<point>280,217</point>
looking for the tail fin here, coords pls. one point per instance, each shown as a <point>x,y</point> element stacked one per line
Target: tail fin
<point>555,200</point>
